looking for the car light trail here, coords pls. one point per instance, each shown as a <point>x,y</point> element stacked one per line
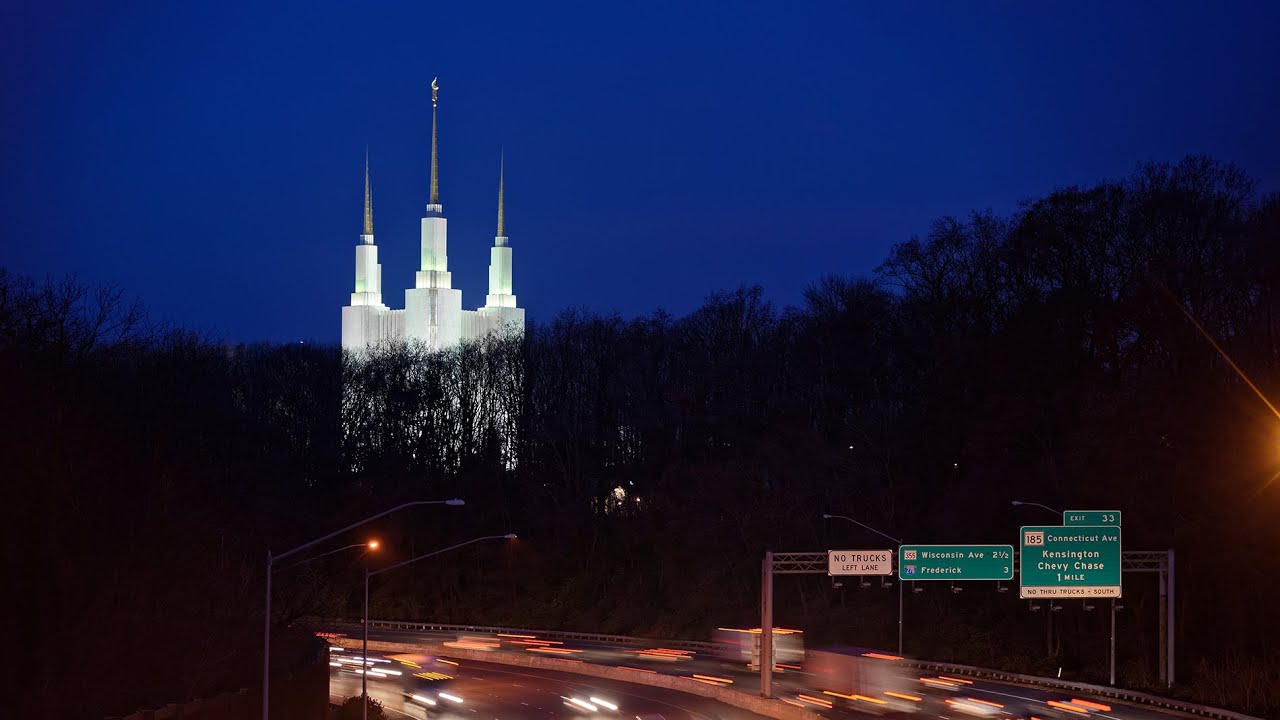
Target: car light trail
<point>553,650</point>
<point>1091,705</point>
<point>666,654</point>
<point>603,703</point>
<point>450,698</point>
<point>881,656</point>
<point>424,699</point>
<point>903,696</point>
<point>582,704</point>
<point>815,701</point>
<point>1067,706</point>
<point>962,705</point>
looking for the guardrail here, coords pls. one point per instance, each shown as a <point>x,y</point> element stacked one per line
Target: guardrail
<point>1131,696</point>
<point>542,634</point>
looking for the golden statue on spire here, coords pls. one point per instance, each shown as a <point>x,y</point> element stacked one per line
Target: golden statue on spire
<point>435,89</point>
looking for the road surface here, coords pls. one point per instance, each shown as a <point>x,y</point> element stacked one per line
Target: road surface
<point>926,694</point>
<point>501,692</point>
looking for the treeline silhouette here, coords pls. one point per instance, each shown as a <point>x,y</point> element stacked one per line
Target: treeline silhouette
<point>1052,355</point>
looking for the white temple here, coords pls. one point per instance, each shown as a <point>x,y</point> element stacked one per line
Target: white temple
<point>432,312</point>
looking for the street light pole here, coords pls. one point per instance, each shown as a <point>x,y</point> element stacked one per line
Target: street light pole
<point>372,545</point>
<point>364,649</point>
<point>271,559</point>
<point>896,552</point>
<point>766,626</point>
<point>364,675</point>
<point>1017,503</point>
<point>266,640</point>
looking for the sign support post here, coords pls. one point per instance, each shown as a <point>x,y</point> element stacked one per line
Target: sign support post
<point>781,563</point>
<point>766,626</point>
<point>1172,625</point>
<point>900,584</point>
<point>1113,642</point>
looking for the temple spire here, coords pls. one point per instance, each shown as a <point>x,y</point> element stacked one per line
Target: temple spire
<point>435,162</point>
<point>502,224</point>
<point>368,197</point>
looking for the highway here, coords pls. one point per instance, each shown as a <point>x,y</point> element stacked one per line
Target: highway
<point>912,691</point>
<point>498,692</point>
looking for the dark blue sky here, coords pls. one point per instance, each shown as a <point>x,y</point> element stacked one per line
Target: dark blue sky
<point>208,157</point>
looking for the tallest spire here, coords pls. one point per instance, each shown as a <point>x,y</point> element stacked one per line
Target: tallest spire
<point>502,223</point>
<point>368,197</point>
<point>435,162</point>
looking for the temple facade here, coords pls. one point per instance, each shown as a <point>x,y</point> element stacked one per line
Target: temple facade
<point>432,313</point>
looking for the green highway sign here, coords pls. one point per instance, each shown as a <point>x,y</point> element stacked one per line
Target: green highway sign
<point>1091,517</point>
<point>1069,561</point>
<point>955,562</point>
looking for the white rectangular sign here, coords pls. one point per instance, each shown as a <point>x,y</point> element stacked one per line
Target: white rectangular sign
<point>859,562</point>
<point>1070,591</point>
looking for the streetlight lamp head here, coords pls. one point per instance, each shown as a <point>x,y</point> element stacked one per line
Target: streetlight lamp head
<point>1017,503</point>
<point>455,501</point>
<point>510,536</point>
<point>372,544</point>
<point>825,516</point>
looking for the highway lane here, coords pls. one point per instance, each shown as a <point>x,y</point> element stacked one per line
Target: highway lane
<point>498,692</point>
<point>952,698</point>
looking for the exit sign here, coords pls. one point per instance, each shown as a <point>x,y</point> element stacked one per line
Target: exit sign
<point>1091,517</point>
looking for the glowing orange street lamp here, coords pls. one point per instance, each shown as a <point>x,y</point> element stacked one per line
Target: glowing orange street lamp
<point>364,650</point>
<point>273,558</point>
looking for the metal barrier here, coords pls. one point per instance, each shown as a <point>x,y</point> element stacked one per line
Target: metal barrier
<point>625,640</point>
<point>1131,696</point>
